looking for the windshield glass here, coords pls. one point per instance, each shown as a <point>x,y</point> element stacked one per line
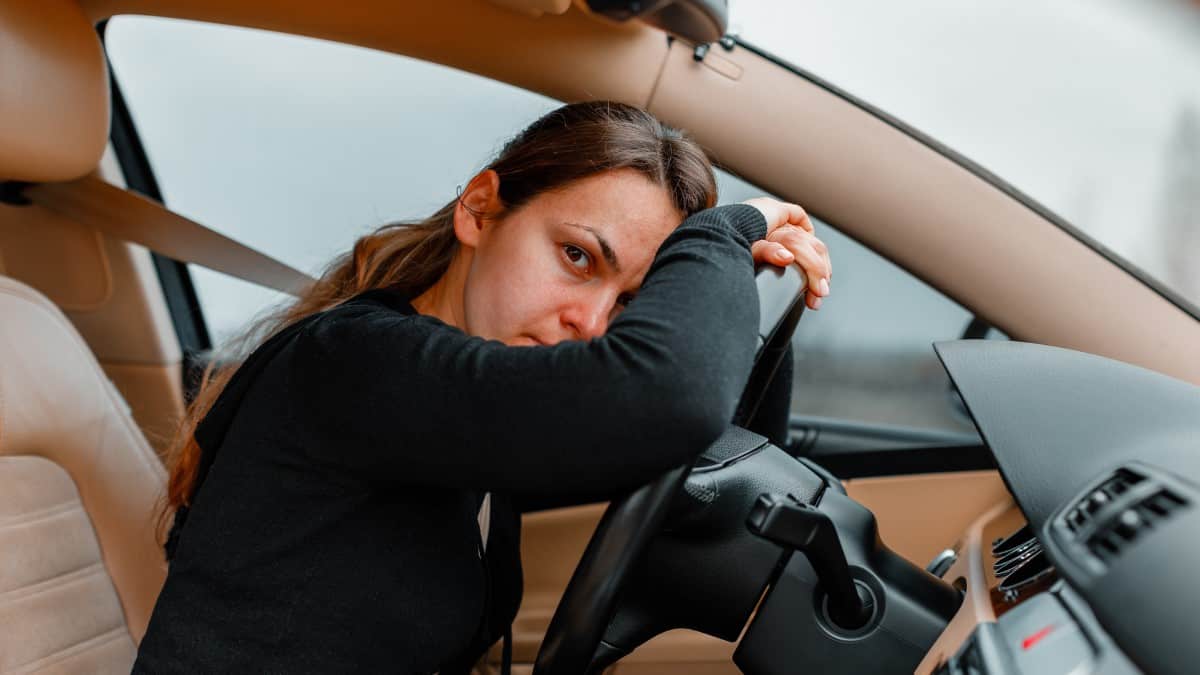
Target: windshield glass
<point>1090,107</point>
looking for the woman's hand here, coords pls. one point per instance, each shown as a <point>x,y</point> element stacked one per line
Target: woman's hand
<point>790,238</point>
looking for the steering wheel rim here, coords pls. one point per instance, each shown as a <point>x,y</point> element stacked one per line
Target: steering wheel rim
<point>630,522</point>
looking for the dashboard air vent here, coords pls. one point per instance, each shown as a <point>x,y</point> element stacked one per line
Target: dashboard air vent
<point>1117,485</point>
<point>1114,514</point>
<point>1109,540</point>
<point>1019,563</point>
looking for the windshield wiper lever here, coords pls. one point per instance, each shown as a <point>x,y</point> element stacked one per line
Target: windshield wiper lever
<point>797,526</point>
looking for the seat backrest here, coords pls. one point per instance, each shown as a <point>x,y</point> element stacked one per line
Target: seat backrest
<point>80,566</point>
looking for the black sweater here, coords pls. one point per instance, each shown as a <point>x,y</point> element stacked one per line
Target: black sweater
<point>335,528</point>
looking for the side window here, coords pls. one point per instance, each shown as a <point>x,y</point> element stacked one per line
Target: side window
<point>227,116</point>
<point>866,357</point>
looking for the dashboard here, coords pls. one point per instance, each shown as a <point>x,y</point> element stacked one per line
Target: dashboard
<point>1090,568</point>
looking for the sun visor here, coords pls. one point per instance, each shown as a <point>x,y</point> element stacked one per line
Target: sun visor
<point>53,92</point>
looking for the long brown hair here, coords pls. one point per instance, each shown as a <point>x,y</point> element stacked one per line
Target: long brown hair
<point>572,142</point>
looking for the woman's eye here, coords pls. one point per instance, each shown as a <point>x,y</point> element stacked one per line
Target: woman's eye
<point>578,257</point>
<point>624,299</point>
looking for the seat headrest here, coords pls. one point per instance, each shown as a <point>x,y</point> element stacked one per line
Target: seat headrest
<point>53,91</point>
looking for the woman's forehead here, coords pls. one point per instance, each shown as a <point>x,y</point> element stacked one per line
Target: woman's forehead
<point>624,208</point>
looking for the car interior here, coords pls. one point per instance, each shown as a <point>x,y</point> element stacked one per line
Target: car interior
<point>1056,541</point>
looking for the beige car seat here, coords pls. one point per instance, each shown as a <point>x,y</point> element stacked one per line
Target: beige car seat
<point>79,564</point>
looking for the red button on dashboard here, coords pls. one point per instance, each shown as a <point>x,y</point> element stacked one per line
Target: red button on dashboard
<point>1032,640</point>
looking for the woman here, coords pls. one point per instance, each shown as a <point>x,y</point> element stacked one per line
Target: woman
<point>553,335</point>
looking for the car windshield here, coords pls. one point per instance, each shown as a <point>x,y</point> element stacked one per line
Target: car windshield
<point>1090,107</point>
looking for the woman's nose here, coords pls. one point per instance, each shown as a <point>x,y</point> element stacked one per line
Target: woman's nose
<point>587,319</point>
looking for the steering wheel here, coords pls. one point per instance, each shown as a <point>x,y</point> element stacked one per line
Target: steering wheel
<point>630,522</point>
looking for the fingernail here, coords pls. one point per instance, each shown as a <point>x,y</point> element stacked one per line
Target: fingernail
<point>817,303</point>
<point>784,254</point>
<point>824,287</point>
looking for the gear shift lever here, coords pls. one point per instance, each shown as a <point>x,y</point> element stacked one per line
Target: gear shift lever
<point>797,526</point>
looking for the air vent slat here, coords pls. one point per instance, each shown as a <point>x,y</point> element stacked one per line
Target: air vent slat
<point>1019,538</point>
<point>1113,516</point>
<point>1019,562</point>
<point>1102,547</point>
<point>1156,507</point>
<point>1028,572</point>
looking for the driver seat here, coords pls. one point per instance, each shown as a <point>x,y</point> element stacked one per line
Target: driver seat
<point>80,567</point>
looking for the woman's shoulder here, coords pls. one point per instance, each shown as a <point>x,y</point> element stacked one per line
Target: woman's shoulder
<point>371,307</point>
<point>373,319</point>
<point>386,298</point>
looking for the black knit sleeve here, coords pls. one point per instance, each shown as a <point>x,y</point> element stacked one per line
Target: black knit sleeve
<point>408,398</point>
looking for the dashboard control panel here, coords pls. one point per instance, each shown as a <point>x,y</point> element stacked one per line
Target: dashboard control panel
<point>1051,633</point>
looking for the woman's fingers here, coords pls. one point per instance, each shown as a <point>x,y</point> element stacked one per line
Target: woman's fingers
<point>798,216</point>
<point>780,214</point>
<point>810,254</point>
<point>791,238</point>
<point>820,247</point>
<point>771,252</point>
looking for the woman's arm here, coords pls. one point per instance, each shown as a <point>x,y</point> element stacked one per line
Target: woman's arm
<point>410,398</point>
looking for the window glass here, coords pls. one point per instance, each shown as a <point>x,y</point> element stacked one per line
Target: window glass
<point>867,354</point>
<point>298,146</point>
<point>1091,107</point>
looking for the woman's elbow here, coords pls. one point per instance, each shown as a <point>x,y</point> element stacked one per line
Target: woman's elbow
<point>692,418</point>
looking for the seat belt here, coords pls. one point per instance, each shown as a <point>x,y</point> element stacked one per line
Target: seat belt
<point>131,217</point>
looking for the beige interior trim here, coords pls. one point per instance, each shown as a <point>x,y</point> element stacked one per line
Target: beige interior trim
<point>921,515</point>
<point>154,394</point>
<point>62,258</point>
<point>572,56</point>
<point>534,8</point>
<point>131,217</point>
<point>134,326</point>
<point>683,651</point>
<point>970,569</point>
<point>551,544</point>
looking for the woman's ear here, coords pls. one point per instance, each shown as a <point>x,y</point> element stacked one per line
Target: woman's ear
<point>475,204</point>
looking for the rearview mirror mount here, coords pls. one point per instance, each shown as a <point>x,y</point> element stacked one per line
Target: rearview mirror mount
<point>698,21</point>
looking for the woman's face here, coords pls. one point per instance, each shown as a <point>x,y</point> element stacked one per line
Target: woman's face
<point>562,266</point>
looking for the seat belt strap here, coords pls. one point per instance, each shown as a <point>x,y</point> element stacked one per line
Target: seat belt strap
<point>126,215</point>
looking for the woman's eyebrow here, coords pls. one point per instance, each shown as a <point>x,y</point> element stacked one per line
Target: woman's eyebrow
<point>605,249</point>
